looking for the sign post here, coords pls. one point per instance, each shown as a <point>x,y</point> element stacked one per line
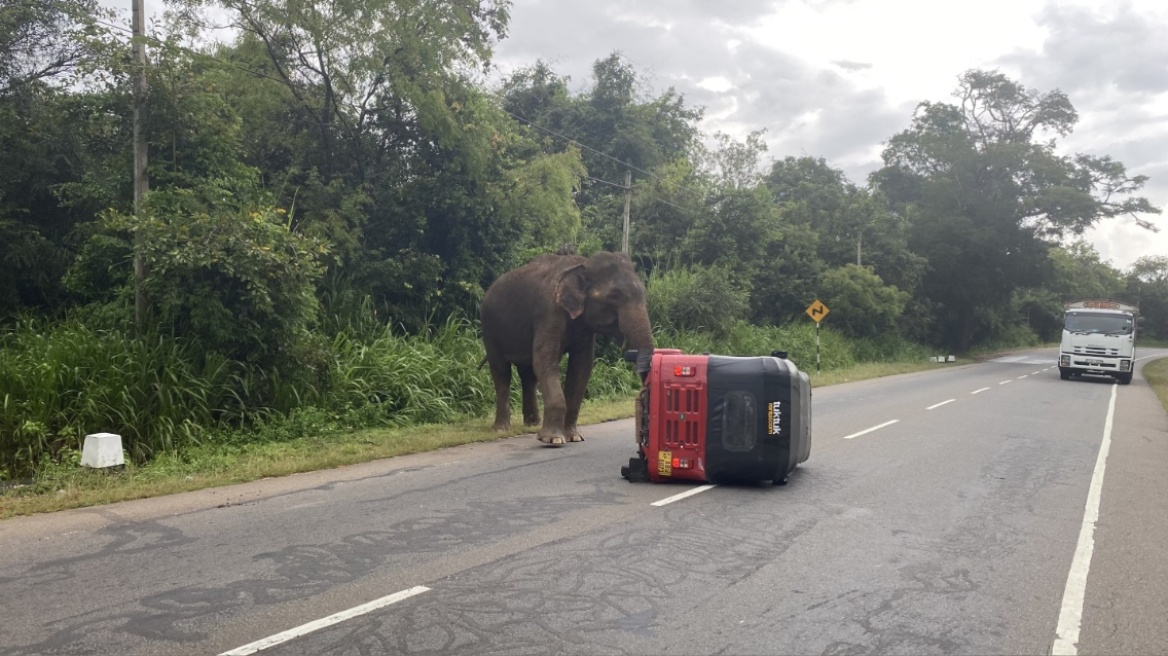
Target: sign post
<point>817,311</point>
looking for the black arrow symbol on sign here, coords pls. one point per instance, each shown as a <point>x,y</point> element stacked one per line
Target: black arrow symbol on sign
<point>815,311</point>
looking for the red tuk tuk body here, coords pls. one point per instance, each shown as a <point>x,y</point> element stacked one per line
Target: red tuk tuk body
<point>712,418</point>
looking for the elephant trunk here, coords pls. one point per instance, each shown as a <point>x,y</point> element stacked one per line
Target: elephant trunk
<point>638,334</point>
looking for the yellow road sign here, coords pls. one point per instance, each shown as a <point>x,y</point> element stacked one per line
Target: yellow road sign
<point>817,311</point>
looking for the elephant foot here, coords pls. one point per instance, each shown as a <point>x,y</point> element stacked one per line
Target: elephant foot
<point>553,440</point>
<point>502,426</point>
<point>532,420</point>
<point>574,435</point>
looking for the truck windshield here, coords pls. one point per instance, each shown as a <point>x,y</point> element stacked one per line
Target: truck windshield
<point>1094,322</point>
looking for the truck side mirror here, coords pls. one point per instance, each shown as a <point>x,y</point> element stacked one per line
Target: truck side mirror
<point>1140,320</point>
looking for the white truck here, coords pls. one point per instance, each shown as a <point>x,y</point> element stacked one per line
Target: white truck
<point>1099,337</point>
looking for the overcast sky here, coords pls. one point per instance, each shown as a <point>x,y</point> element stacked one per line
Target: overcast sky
<point>836,78</point>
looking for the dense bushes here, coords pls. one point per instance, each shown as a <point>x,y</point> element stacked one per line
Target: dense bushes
<point>697,298</point>
<point>59,382</point>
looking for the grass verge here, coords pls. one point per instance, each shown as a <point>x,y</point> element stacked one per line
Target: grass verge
<point>69,486</point>
<point>1156,373</point>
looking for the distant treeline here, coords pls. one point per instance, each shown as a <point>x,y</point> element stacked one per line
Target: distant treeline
<point>338,173</point>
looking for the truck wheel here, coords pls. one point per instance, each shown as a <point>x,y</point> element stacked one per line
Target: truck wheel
<point>1124,379</point>
<point>1065,374</point>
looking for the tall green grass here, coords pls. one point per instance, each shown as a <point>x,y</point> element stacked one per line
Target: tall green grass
<point>835,350</point>
<point>61,381</point>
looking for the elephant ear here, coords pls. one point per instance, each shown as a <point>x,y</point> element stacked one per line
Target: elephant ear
<point>571,287</point>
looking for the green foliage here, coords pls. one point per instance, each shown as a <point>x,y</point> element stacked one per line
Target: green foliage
<point>861,304</point>
<point>395,379</point>
<point>41,41</point>
<point>1080,274</point>
<point>241,284</point>
<point>59,382</point>
<point>1147,284</point>
<point>696,298</point>
<point>798,339</point>
<point>889,347</point>
<point>986,197</point>
<point>408,189</point>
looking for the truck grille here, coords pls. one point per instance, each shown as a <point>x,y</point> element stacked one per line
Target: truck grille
<point>1096,350</point>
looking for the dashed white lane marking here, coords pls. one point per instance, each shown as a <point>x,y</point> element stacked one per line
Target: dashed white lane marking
<point>938,405</point>
<point>304,629</point>
<point>1005,381</point>
<point>1037,372</point>
<point>1023,376</point>
<point>869,430</point>
<point>979,391</point>
<point>688,493</point>
<point>1071,613</point>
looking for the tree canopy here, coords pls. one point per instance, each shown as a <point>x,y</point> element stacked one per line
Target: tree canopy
<point>350,150</point>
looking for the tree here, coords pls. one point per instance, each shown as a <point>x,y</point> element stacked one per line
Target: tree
<point>40,41</point>
<point>828,222</point>
<point>861,304</point>
<point>1076,273</point>
<point>619,127</point>
<point>986,198</point>
<point>1147,281</point>
<point>48,133</point>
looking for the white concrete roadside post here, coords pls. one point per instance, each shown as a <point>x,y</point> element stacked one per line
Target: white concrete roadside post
<point>102,450</point>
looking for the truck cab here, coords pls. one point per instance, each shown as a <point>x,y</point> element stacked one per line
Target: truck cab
<point>1099,337</point>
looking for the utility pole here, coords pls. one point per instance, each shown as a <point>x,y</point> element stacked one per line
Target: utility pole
<point>628,198</point>
<point>141,179</point>
<point>859,244</point>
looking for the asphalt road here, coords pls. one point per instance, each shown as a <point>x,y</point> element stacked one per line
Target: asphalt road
<point>955,530</point>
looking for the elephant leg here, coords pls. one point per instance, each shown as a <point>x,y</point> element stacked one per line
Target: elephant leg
<point>501,375</point>
<point>546,363</point>
<point>579,371</point>
<point>530,406</point>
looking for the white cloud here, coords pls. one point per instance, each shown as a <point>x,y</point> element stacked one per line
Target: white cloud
<point>836,78</point>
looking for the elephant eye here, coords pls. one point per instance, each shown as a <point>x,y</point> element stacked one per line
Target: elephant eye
<point>614,295</point>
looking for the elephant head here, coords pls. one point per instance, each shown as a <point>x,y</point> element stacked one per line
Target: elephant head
<point>606,293</point>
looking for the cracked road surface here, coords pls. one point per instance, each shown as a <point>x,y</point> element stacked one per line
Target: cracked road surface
<point>945,523</point>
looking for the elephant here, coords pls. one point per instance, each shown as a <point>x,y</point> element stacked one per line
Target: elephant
<point>554,305</point>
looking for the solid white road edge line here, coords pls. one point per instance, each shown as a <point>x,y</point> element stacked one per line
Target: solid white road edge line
<point>678,497</point>
<point>337,618</point>
<point>938,405</point>
<point>979,391</point>
<point>869,430</point>
<point>1070,621</point>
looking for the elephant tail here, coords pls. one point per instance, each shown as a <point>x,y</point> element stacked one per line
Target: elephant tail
<point>482,362</point>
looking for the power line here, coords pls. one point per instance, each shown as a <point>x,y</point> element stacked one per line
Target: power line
<point>593,150</point>
<point>687,210</point>
<point>614,184</point>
